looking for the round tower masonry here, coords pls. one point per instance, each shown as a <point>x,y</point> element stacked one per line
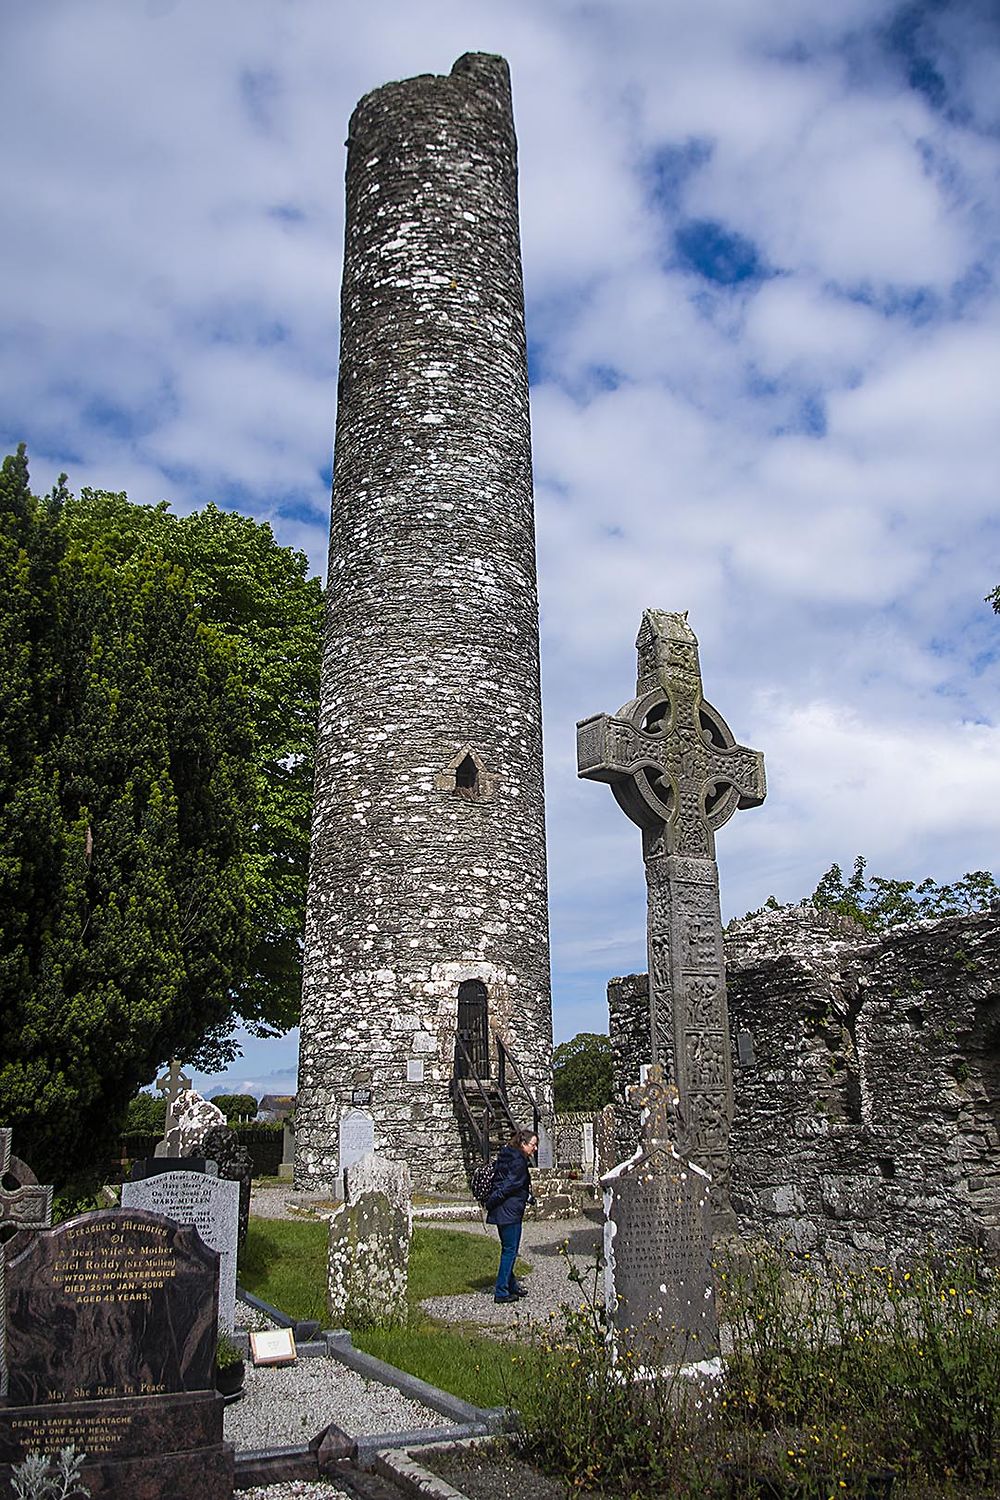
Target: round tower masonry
<point>428,858</point>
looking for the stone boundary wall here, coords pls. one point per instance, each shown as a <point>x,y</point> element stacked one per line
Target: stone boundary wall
<point>866,1081</point>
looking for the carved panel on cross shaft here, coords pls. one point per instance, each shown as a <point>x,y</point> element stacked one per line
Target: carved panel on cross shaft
<point>690,833</point>
<point>701,994</point>
<point>659,961</point>
<point>702,942</point>
<point>705,1059</point>
<point>698,871</point>
<point>708,1122</point>
<point>694,900</point>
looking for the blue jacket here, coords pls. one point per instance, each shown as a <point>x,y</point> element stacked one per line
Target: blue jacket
<point>512,1189</point>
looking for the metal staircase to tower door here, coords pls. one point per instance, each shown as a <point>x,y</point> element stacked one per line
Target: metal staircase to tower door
<point>483,1104</point>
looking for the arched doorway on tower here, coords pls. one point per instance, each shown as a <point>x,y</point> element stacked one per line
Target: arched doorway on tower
<point>473,1056</point>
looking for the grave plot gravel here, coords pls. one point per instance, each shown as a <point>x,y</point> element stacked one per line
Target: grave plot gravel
<point>291,1489</point>
<point>287,1404</point>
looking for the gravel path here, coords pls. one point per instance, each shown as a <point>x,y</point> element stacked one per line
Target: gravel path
<point>272,1202</point>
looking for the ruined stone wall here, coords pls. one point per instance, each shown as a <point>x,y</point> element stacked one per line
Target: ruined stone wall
<point>629,1030</point>
<point>428,856</point>
<point>866,1082</point>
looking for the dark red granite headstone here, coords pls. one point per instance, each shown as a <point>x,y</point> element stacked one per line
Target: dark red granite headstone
<point>111,1331</point>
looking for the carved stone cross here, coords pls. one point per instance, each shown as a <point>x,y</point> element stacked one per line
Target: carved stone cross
<point>676,770</point>
<point>173,1083</point>
<point>28,1206</point>
<point>659,1104</point>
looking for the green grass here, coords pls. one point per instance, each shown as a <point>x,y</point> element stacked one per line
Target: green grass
<point>284,1263</point>
<point>446,1262</point>
<point>470,1365</point>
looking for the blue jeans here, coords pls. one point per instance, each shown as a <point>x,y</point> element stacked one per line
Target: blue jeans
<point>510,1239</point>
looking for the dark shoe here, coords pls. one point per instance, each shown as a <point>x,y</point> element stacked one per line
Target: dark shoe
<point>518,1291</point>
<point>497,1298</point>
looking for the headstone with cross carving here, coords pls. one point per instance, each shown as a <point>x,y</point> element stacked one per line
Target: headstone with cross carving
<point>24,1205</point>
<point>676,770</point>
<point>658,1243</point>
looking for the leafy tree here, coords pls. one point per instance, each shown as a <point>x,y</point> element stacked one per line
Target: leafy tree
<point>260,598</point>
<point>146,1114</point>
<point>877,903</point>
<point>236,1106</point>
<point>125,801</point>
<point>582,1072</point>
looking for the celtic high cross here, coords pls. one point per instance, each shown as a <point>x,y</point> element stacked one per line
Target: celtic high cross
<point>26,1206</point>
<point>676,770</point>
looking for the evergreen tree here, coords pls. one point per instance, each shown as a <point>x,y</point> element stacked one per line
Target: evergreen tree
<point>125,803</point>
<point>260,597</point>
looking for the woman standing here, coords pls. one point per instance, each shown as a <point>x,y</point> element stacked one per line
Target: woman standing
<point>510,1196</point>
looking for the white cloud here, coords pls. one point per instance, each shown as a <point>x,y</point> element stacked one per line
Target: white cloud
<point>807,462</point>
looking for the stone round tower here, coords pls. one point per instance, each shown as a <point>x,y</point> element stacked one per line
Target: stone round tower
<point>426,988</point>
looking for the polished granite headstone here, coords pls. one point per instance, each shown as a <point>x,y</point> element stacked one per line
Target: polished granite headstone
<point>233,1162</point>
<point>155,1166</point>
<point>212,1205</point>
<point>111,1333</point>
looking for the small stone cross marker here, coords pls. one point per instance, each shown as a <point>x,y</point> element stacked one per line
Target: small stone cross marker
<point>676,770</point>
<point>659,1103</point>
<point>28,1206</point>
<point>172,1083</point>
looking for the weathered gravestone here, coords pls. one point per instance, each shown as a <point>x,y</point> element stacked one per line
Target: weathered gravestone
<point>658,1243</point>
<point>605,1152</point>
<point>111,1334</point>
<point>676,770</point>
<point>233,1163</point>
<point>286,1168</point>
<point>357,1137</point>
<point>212,1205</point>
<point>369,1245</point>
<point>189,1118</point>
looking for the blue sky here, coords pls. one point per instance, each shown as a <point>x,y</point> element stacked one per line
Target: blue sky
<point>761,259</point>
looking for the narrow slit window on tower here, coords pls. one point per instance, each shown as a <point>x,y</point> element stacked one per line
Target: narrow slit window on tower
<point>467,778</point>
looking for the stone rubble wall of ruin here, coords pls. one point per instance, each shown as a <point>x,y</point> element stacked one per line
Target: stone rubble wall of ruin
<point>629,1029</point>
<point>868,1119</point>
<point>418,882</point>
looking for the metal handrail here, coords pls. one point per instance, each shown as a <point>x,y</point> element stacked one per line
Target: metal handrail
<point>483,1135</point>
<point>458,1092</point>
<point>503,1057</point>
<point>472,1070</point>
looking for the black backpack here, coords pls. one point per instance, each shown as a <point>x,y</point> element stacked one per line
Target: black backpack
<point>483,1180</point>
